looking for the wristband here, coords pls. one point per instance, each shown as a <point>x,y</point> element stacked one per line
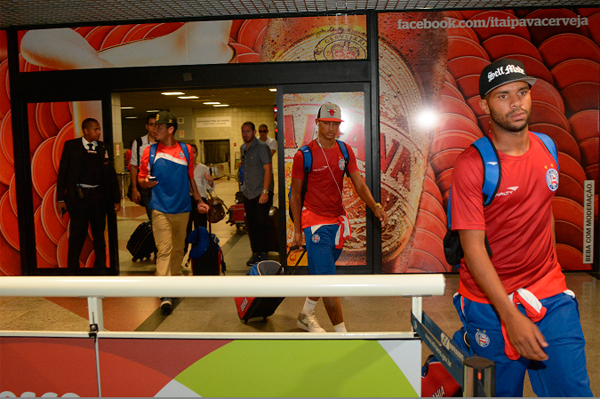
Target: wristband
<point>265,191</point>
<point>378,205</point>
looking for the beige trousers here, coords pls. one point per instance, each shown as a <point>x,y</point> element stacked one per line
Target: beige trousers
<point>169,234</point>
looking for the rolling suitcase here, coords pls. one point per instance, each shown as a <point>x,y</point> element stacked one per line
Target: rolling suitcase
<point>141,243</point>
<point>237,216</point>
<point>206,254</point>
<point>248,307</point>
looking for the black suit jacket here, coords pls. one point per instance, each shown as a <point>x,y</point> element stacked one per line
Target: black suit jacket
<point>70,167</point>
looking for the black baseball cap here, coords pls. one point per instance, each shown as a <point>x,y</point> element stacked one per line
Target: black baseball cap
<point>165,117</point>
<point>501,72</point>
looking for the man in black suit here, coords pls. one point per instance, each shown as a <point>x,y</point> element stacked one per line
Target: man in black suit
<point>88,189</point>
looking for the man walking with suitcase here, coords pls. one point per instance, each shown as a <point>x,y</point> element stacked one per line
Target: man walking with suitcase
<point>322,217</point>
<point>168,169</point>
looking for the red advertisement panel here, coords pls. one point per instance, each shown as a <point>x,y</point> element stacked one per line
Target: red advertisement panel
<point>341,37</point>
<point>430,62</point>
<point>48,367</point>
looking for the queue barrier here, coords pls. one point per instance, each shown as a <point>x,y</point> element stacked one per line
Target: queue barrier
<point>201,374</point>
<point>475,375</point>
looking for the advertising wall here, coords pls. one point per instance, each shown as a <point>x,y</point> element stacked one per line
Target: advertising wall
<point>129,367</point>
<point>559,47</point>
<point>429,64</point>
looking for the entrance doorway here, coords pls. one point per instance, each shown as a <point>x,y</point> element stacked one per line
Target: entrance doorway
<point>212,120</point>
<point>216,157</point>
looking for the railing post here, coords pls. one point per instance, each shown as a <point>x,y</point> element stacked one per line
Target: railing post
<point>95,315</point>
<point>417,308</point>
<point>479,377</point>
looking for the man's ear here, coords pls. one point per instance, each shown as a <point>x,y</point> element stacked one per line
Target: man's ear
<point>483,104</point>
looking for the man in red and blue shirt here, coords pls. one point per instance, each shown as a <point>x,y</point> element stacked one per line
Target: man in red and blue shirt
<point>322,217</point>
<point>170,175</point>
<point>515,305</point>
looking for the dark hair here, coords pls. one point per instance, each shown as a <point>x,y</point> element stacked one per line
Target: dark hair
<point>150,116</point>
<point>87,122</point>
<point>194,146</point>
<point>251,124</point>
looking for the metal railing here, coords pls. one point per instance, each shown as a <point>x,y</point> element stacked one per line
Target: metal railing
<point>96,288</point>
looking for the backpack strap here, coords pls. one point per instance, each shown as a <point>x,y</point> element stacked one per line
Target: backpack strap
<point>550,146</point>
<point>307,154</point>
<point>491,168</point>
<point>344,150</point>
<point>185,151</point>
<point>138,141</point>
<point>449,209</point>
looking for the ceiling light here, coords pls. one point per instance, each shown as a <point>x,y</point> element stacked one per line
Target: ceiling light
<point>211,103</point>
<point>127,107</point>
<point>188,97</point>
<point>172,93</point>
<point>273,89</point>
<point>153,111</point>
<point>131,117</point>
<point>221,105</point>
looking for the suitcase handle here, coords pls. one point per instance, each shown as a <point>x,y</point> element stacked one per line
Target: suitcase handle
<point>296,248</point>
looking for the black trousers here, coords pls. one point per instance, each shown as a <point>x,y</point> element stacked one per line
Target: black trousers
<point>90,211</point>
<point>146,194</point>
<point>257,217</point>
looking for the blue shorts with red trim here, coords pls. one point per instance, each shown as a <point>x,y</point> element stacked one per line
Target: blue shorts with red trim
<point>563,374</point>
<point>320,249</point>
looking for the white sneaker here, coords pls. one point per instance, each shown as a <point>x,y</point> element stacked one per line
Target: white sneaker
<point>309,322</point>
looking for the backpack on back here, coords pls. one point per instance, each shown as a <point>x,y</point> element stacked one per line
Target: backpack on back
<point>492,174</point>
<point>308,160</point>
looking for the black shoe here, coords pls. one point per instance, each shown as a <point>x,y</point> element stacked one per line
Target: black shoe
<point>264,256</point>
<point>166,306</point>
<point>255,258</point>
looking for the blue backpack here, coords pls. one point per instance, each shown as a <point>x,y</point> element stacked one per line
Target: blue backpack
<point>308,159</point>
<point>492,174</point>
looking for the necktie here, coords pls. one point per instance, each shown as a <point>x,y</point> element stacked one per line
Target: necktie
<point>91,147</point>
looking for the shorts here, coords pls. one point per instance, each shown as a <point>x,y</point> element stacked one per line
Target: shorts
<point>563,374</point>
<point>320,249</point>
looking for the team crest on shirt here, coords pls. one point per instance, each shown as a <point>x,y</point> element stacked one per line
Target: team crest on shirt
<point>315,238</point>
<point>552,179</point>
<point>342,164</point>
<point>181,155</point>
<point>482,339</point>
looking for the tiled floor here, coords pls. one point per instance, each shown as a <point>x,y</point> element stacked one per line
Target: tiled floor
<point>219,314</point>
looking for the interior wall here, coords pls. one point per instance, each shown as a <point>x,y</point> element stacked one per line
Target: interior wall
<point>237,115</point>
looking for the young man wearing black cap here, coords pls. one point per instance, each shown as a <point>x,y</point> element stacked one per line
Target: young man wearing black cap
<point>322,217</point>
<point>515,304</point>
<point>168,169</point>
